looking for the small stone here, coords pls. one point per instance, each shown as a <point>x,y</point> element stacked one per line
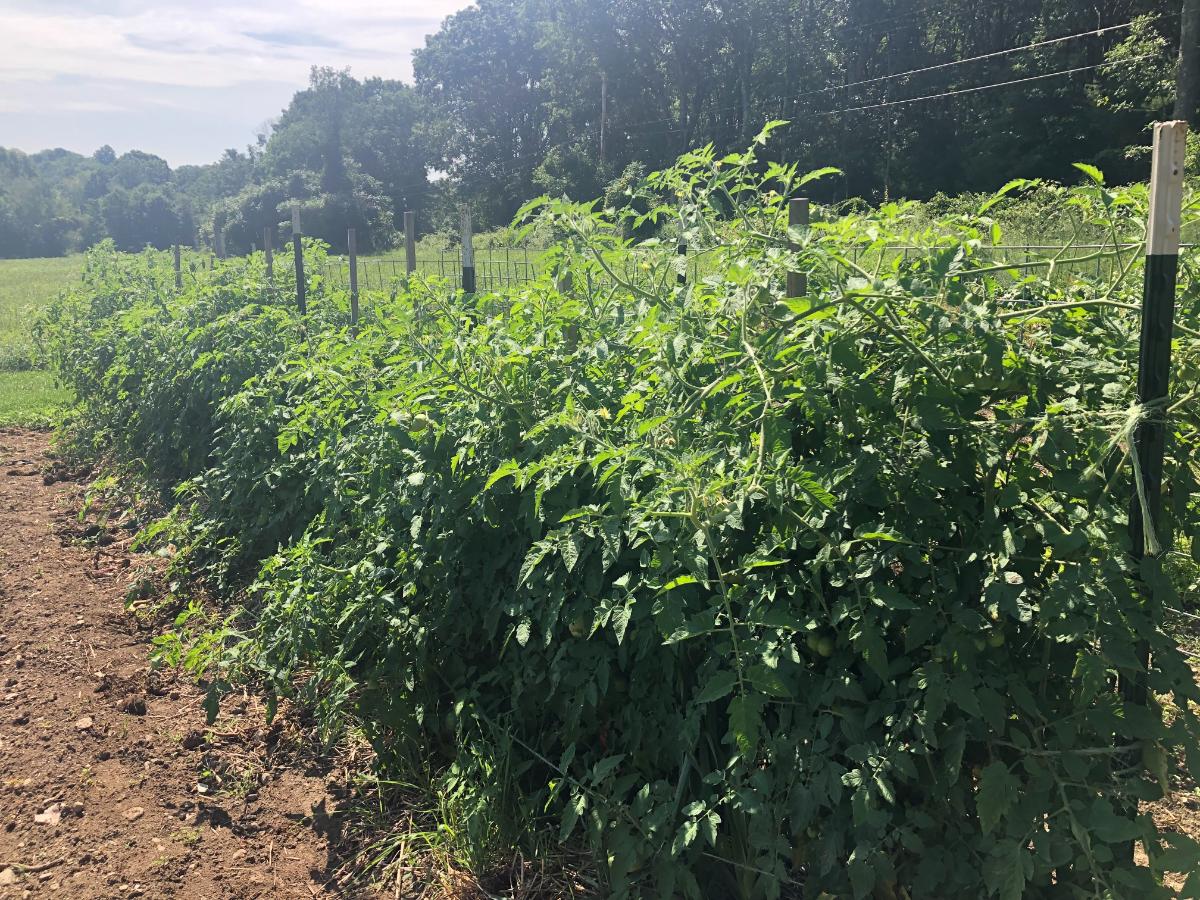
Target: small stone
<point>103,755</point>
<point>19,662</point>
<point>8,876</point>
<point>22,719</point>
<point>51,815</point>
<point>134,813</point>
<point>83,724</point>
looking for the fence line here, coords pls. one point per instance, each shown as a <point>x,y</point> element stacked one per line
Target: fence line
<point>496,268</point>
<point>518,265</point>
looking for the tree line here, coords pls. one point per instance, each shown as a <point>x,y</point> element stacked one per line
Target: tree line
<point>514,98</point>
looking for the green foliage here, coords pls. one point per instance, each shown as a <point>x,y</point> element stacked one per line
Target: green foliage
<point>745,590</point>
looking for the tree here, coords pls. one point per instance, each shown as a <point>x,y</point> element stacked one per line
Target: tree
<point>482,75</point>
<point>383,138</point>
<point>136,168</point>
<point>147,215</point>
<point>1187,96</point>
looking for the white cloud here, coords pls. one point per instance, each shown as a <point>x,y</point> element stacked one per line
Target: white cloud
<point>59,57</point>
<point>215,46</point>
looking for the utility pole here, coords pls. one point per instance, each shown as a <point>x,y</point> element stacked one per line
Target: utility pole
<point>1187,76</point>
<point>603,111</point>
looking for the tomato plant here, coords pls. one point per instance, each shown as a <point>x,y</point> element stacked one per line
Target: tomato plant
<point>770,595</point>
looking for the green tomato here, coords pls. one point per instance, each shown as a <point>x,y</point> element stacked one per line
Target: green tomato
<point>995,638</point>
<point>578,627</point>
<point>825,647</point>
<point>812,641</point>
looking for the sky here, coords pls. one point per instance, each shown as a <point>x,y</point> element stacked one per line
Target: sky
<point>185,80</point>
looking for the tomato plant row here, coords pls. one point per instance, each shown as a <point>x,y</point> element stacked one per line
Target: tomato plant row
<point>763,596</point>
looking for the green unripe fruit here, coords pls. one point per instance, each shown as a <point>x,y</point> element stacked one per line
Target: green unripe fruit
<point>825,647</point>
<point>995,638</point>
<point>812,641</point>
<point>578,627</point>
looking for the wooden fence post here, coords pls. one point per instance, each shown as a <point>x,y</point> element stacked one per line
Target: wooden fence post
<point>352,251</point>
<point>268,253</point>
<point>468,254</point>
<point>178,267</point>
<point>681,252</point>
<point>797,282</point>
<point>410,242</point>
<point>1153,382</point>
<point>298,253</point>
<point>221,243</point>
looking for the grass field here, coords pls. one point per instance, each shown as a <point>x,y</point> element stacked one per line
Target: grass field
<point>27,396</point>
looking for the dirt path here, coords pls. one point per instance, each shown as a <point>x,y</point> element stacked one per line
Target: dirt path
<point>107,785</point>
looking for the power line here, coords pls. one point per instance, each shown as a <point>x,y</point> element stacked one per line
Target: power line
<point>946,65</point>
<point>986,87</point>
<point>970,59</point>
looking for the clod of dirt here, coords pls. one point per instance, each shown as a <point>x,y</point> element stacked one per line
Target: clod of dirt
<point>84,724</point>
<point>134,705</point>
<point>192,740</point>
<point>51,815</point>
<point>133,813</point>
<point>9,876</point>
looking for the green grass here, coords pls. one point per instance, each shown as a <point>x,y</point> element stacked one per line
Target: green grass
<point>27,286</point>
<point>27,396</point>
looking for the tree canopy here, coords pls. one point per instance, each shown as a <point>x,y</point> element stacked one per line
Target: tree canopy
<point>513,98</point>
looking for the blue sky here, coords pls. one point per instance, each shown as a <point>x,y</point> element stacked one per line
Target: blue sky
<point>185,80</point>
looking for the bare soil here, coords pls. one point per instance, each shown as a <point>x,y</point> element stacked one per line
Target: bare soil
<point>111,785</point>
